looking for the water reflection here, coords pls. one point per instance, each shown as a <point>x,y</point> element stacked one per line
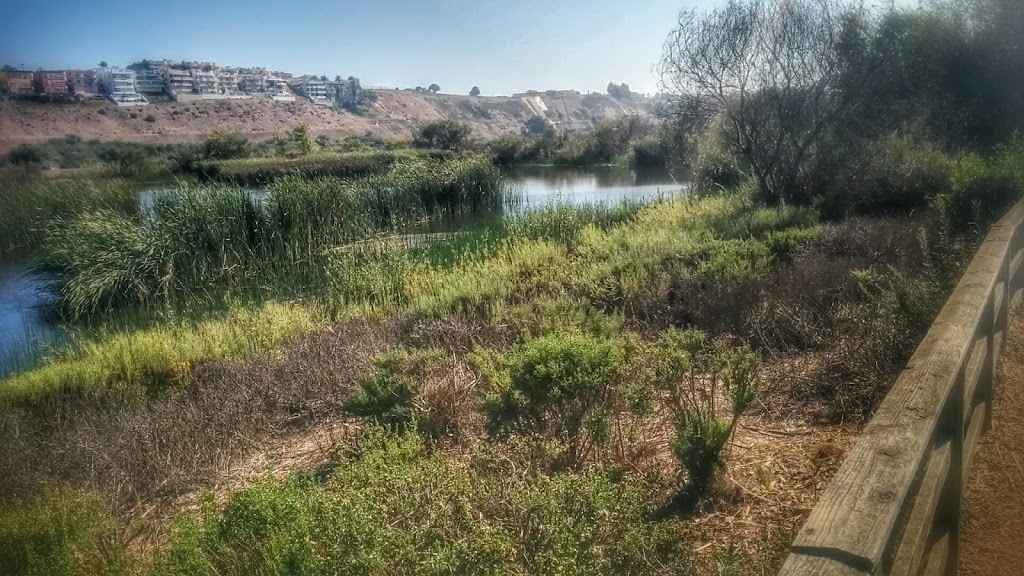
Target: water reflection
<point>25,332</point>
<point>537,186</point>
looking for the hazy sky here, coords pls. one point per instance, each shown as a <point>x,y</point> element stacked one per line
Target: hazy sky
<point>502,46</point>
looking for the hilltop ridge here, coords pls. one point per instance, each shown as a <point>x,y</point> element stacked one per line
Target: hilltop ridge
<point>393,114</point>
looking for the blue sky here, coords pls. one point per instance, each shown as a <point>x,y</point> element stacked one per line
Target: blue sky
<point>502,46</point>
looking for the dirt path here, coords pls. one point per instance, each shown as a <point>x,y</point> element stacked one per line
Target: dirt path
<point>993,517</point>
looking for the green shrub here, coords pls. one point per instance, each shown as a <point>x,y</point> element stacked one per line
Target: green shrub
<point>225,146</point>
<point>561,385</point>
<point>714,167</point>
<point>442,135</point>
<point>60,533</point>
<point>389,395</point>
<point>691,372</point>
<point>979,191</point>
<point>393,508</point>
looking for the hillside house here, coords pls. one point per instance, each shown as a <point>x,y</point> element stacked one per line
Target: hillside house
<point>83,83</point>
<point>312,88</point>
<point>19,82</point>
<point>149,81</point>
<point>176,81</point>
<point>53,83</point>
<point>204,82</point>
<point>118,84</point>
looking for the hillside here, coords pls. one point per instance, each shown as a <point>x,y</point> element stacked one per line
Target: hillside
<point>394,114</point>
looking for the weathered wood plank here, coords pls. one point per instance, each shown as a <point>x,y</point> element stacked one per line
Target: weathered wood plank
<point>975,367</point>
<point>971,438</point>
<point>919,526</point>
<point>803,564</point>
<point>1015,264</point>
<point>938,557</point>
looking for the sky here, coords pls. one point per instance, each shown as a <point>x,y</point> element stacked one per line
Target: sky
<point>501,46</point>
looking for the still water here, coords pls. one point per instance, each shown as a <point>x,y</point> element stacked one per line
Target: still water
<point>25,332</point>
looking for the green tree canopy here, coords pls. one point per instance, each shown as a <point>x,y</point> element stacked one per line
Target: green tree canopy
<point>442,135</point>
<point>475,91</point>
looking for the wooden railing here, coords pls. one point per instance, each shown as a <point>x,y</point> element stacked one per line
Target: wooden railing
<point>894,505</point>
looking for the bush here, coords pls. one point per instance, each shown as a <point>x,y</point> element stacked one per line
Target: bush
<point>692,372</point>
<point>442,135</point>
<point>150,118</point>
<point>389,395</point>
<point>981,189</point>
<point>897,175</point>
<point>714,167</point>
<point>224,146</point>
<point>24,155</point>
<point>562,385</point>
<point>393,508</point>
<point>60,533</point>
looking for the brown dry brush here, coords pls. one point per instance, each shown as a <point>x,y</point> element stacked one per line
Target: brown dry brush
<point>176,441</point>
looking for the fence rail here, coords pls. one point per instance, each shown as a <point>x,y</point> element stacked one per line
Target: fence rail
<point>894,506</point>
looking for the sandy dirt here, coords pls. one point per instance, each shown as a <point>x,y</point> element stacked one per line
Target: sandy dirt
<point>993,516</point>
<point>394,114</point>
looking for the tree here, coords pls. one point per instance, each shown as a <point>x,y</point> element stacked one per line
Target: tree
<point>475,91</point>
<point>225,146</point>
<point>535,126</point>
<point>103,63</point>
<point>774,73</point>
<point>442,135</point>
<point>434,88</point>
<point>337,77</point>
<point>323,78</point>
<point>618,90</point>
<point>302,136</point>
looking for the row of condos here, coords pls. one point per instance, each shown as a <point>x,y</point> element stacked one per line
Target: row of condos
<point>51,83</point>
<point>117,84</point>
<point>127,87</point>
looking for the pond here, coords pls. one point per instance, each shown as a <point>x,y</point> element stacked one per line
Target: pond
<point>25,332</point>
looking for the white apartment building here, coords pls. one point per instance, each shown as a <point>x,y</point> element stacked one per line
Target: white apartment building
<point>311,87</point>
<point>227,82</point>
<point>204,82</point>
<point>177,81</point>
<point>118,84</point>
<point>149,81</point>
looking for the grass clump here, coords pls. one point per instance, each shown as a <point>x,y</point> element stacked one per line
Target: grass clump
<point>391,507</point>
<point>264,170</point>
<point>199,243</point>
<point>30,204</point>
<point>60,533</point>
<point>130,364</point>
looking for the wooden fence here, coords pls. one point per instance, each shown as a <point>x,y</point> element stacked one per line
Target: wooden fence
<point>894,506</point>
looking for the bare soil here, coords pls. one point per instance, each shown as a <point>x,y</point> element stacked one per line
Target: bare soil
<point>993,517</point>
<point>394,114</point>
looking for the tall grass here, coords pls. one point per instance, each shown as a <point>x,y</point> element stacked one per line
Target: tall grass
<point>199,243</point>
<point>135,363</point>
<point>60,533</point>
<point>262,171</point>
<point>30,204</point>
